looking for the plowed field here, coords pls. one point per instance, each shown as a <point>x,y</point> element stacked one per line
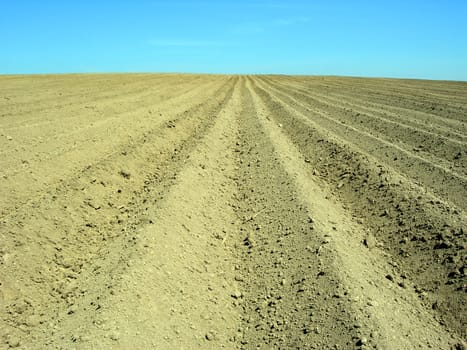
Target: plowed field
<point>167,211</point>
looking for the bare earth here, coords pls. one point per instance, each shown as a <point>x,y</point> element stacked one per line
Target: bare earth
<point>148,211</point>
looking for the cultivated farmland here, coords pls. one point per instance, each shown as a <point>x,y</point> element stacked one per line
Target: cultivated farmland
<point>164,211</point>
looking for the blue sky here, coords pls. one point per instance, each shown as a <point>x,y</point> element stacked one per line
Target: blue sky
<point>394,38</point>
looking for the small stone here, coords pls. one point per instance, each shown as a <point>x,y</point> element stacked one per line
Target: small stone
<point>9,138</point>
<point>238,278</point>
<point>114,335</point>
<point>210,336</point>
<point>362,341</point>
<point>389,277</point>
<point>460,346</point>
<point>13,342</point>
<point>33,321</point>
<point>124,173</point>
<point>236,294</point>
<point>72,310</point>
<point>249,241</point>
<point>369,241</point>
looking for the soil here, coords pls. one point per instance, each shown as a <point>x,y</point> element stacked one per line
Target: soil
<point>167,211</point>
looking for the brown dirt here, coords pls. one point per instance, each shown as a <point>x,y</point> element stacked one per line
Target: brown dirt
<point>240,212</point>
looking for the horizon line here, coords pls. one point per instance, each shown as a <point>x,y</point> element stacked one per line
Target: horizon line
<point>231,74</point>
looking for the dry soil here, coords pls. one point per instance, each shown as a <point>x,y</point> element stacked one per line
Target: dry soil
<point>163,211</point>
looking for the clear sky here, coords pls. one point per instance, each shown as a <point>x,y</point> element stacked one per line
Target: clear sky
<point>391,38</point>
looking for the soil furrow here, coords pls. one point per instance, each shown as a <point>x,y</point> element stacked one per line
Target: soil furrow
<point>384,314</point>
<point>232,212</point>
<point>425,109</point>
<point>189,293</point>
<point>440,149</point>
<point>55,260</point>
<point>451,132</point>
<point>70,158</point>
<point>442,181</point>
<point>284,293</point>
<point>405,221</point>
<point>416,98</point>
<point>96,124</point>
<point>96,107</point>
<point>100,124</point>
<point>99,91</point>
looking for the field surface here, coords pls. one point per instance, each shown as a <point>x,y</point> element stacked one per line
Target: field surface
<point>167,211</point>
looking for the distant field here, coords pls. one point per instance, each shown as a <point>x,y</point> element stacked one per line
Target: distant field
<point>163,211</point>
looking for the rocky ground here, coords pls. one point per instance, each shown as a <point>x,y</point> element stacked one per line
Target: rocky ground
<point>232,212</point>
